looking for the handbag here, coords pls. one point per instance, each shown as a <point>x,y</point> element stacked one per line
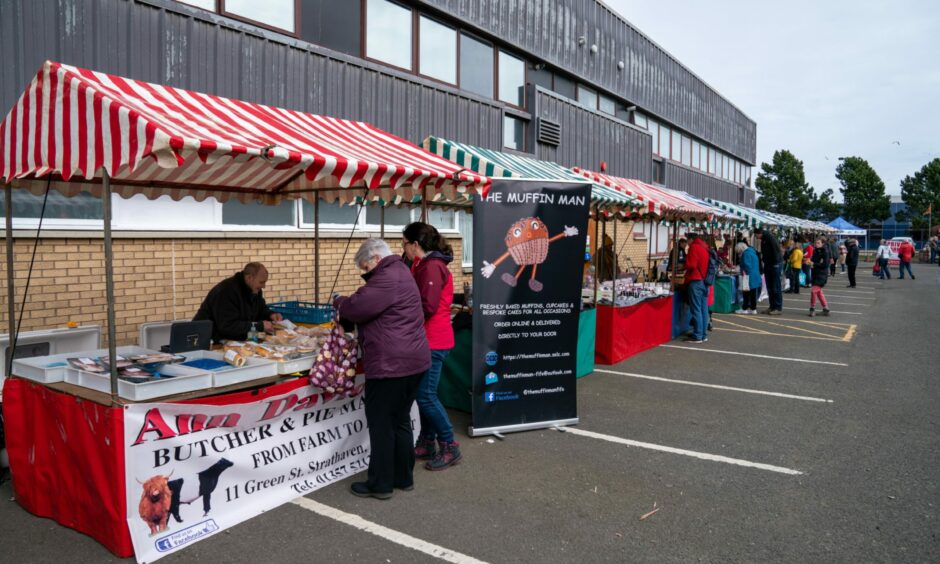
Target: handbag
<point>876,269</point>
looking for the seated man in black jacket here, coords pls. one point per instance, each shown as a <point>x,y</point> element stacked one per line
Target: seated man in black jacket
<point>235,303</point>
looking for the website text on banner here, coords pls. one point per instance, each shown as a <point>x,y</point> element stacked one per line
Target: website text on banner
<point>528,245</point>
<point>193,470</point>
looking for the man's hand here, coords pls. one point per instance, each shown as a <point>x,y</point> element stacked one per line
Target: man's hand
<point>276,316</point>
<point>268,327</point>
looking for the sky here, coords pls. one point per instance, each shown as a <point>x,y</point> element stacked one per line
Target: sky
<point>823,79</point>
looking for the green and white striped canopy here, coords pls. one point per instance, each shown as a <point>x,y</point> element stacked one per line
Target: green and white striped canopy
<point>496,164</point>
<point>752,218</point>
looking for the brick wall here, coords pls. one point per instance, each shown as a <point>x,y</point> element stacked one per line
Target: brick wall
<point>165,279</point>
<point>629,249</point>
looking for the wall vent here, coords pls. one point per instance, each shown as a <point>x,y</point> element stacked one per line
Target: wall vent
<point>549,132</point>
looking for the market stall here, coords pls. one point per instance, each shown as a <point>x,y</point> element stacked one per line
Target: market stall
<point>605,201</point>
<point>69,447</point>
<point>663,318</point>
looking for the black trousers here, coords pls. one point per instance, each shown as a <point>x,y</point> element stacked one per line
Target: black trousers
<point>388,413</point>
<point>852,268</point>
<point>750,299</point>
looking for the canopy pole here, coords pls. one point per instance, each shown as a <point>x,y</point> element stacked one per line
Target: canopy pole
<point>382,222</point>
<point>109,280</point>
<point>11,306</point>
<point>597,250</point>
<point>316,249</point>
<point>424,204</point>
<point>674,260</point>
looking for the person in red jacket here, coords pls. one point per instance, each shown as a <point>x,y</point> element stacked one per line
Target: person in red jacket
<point>696,267</point>
<point>430,254</point>
<point>905,254</point>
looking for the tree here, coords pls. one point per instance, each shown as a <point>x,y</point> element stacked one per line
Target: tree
<point>863,192</point>
<point>782,186</point>
<point>824,207</point>
<point>919,192</point>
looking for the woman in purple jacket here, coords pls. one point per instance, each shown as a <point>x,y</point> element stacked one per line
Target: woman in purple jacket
<point>390,321</point>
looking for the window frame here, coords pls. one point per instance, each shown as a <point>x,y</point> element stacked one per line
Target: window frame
<point>600,97</point>
<point>507,115</point>
<point>496,82</point>
<point>364,40</point>
<point>417,48</point>
<point>220,9</point>
<point>460,35</point>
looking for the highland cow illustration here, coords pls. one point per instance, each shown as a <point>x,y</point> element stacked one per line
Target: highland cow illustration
<point>154,507</point>
<point>527,243</point>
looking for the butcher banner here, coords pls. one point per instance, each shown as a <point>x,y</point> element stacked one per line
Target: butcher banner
<point>193,470</point>
<point>528,252</point>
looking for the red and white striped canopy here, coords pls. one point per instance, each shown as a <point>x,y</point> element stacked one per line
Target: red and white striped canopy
<point>71,123</point>
<point>661,202</point>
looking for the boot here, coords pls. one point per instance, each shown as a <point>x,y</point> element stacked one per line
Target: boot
<point>812,312</point>
<point>425,449</point>
<point>448,455</point>
<point>826,312</point>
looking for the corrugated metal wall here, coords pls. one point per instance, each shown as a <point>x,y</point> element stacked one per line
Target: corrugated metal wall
<point>147,42</point>
<point>651,78</point>
<point>702,185</point>
<point>589,137</point>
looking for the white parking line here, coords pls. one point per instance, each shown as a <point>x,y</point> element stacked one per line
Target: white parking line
<point>714,386</point>
<point>830,311</point>
<point>756,355</point>
<point>692,453</point>
<point>386,533</point>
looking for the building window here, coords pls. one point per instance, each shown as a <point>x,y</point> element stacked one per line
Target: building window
<point>696,154</point>
<point>711,161</point>
<point>476,66</point>
<point>465,225</point>
<point>27,205</point>
<point>513,133</point>
<point>587,97</point>
<point>676,146</point>
<point>686,150</point>
<point>606,105</point>
<point>665,137</point>
<point>279,14</point>
<point>395,218</point>
<point>437,55</point>
<point>440,218</point>
<point>654,133</point>
<point>511,79</point>
<point>702,157</point>
<point>640,120</point>
<point>256,213</point>
<point>332,214</point>
<point>659,172</point>
<point>388,33</point>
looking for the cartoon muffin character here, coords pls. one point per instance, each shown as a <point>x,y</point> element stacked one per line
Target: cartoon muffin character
<point>527,243</point>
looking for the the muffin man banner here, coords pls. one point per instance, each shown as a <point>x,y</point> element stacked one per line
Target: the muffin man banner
<point>193,470</point>
<point>528,254</point>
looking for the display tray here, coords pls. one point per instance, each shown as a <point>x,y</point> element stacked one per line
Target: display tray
<point>184,379</point>
<point>299,364</point>
<point>52,368</point>
<point>253,369</point>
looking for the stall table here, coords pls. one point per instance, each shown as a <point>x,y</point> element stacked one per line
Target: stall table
<point>726,295</point>
<point>67,454</point>
<point>625,331</point>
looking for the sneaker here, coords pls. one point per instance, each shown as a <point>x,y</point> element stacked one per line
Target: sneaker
<point>448,455</point>
<point>742,312</point>
<point>694,341</point>
<point>812,312</point>
<point>769,311</point>
<point>361,489</point>
<point>752,311</point>
<point>425,449</point>
<point>775,312</point>
<point>826,312</point>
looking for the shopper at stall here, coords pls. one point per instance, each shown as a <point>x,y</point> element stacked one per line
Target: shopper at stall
<point>808,251</point>
<point>750,275</point>
<point>390,321</point>
<point>820,275</point>
<point>881,259</point>
<point>236,303</point>
<point>724,253</point>
<point>905,254</point>
<point>851,259</point>
<point>606,261</point>
<point>794,266</point>
<point>696,266</point>
<point>430,254</point>
<point>773,270</point>
<point>833,248</point>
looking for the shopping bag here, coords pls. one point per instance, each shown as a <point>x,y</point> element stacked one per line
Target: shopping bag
<point>786,284</point>
<point>745,283</point>
<point>334,369</point>
<point>763,290</point>
<point>876,269</point>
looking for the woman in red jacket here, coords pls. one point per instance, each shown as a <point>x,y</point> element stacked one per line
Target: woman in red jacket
<point>430,254</point>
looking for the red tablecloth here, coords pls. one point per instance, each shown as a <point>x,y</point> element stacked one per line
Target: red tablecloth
<point>625,331</point>
<point>67,456</point>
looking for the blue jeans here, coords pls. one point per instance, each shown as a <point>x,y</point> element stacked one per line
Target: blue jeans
<point>698,302</point>
<point>904,265</point>
<point>885,271</point>
<point>774,289</point>
<point>434,421</point>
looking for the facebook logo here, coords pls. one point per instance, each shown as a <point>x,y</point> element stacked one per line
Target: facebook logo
<point>489,397</point>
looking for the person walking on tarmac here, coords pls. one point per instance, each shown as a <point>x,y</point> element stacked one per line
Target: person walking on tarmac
<point>905,254</point>
<point>820,277</point>
<point>772,259</point>
<point>851,259</point>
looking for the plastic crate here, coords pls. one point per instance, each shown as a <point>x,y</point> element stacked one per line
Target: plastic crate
<point>304,312</point>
